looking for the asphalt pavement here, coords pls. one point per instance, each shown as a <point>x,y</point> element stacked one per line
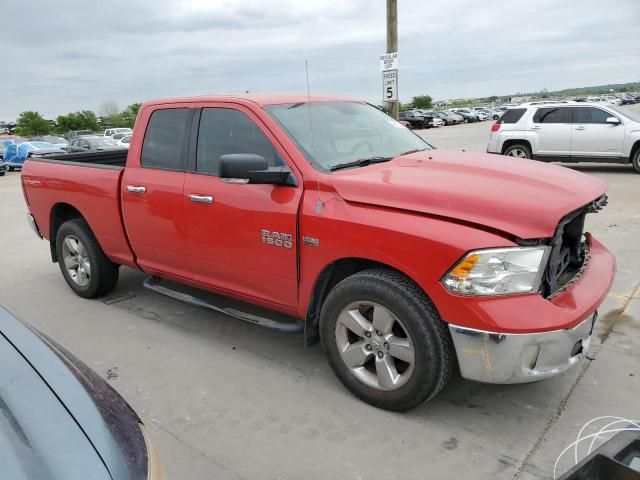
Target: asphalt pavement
<point>227,400</point>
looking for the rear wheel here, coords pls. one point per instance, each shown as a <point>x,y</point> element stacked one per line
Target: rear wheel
<point>385,340</point>
<point>636,160</point>
<point>83,264</point>
<point>518,150</point>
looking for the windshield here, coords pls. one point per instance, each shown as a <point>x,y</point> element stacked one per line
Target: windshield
<point>344,132</point>
<point>630,114</point>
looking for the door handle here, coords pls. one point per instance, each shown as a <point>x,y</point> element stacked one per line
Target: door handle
<point>579,128</point>
<point>535,127</point>
<point>201,198</point>
<point>136,189</point>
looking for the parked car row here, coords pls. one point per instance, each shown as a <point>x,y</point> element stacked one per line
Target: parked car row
<point>15,150</point>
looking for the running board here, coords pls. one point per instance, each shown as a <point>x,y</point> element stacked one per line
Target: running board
<point>153,283</point>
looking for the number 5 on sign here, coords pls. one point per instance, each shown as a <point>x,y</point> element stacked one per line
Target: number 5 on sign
<point>390,86</point>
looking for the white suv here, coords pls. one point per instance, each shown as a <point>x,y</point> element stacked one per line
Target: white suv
<point>568,132</point>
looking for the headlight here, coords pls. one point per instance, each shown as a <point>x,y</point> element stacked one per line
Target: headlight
<point>499,271</point>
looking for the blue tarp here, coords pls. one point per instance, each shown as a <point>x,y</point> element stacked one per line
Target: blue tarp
<point>16,154</point>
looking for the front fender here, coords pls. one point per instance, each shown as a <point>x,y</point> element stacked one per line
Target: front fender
<point>423,248</point>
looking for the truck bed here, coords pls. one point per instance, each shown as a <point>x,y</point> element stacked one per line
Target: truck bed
<point>114,159</point>
<point>87,182</point>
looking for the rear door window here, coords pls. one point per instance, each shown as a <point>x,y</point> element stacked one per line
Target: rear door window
<point>552,115</point>
<point>513,115</point>
<point>165,141</point>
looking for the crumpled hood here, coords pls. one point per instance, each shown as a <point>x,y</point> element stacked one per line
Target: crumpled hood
<point>524,198</point>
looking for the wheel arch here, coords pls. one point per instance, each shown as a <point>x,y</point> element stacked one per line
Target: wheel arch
<point>329,277</point>
<point>60,213</point>
<point>514,141</point>
<point>634,148</point>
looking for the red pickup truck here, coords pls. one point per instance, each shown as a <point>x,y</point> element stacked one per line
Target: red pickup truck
<point>405,261</point>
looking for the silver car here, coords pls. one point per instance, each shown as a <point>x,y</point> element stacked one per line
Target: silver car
<point>568,132</point>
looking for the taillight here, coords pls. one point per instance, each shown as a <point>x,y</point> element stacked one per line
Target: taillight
<point>496,126</point>
<point>24,191</point>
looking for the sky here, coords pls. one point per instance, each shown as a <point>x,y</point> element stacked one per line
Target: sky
<point>67,55</point>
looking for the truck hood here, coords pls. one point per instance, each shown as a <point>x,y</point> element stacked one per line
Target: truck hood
<point>520,197</point>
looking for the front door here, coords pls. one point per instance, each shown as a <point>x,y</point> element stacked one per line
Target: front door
<point>242,237</point>
<point>593,137</point>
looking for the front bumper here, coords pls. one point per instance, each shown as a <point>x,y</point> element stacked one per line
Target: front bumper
<point>523,338</point>
<point>518,358</point>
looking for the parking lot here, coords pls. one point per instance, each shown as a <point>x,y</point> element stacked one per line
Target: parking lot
<point>225,399</point>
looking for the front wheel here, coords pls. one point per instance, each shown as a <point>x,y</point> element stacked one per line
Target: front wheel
<point>83,264</point>
<point>636,160</point>
<point>385,340</point>
<point>518,151</point>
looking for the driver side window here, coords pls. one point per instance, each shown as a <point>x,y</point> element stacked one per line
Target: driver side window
<point>225,131</point>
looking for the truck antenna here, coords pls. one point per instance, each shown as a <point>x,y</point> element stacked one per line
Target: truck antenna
<point>319,203</point>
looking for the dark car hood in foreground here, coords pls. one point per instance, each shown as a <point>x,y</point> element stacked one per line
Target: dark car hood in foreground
<point>58,419</point>
<point>523,198</point>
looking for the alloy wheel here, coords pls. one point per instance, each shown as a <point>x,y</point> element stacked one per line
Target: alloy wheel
<point>76,260</point>
<point>375,346</point>
<point>517,152</point>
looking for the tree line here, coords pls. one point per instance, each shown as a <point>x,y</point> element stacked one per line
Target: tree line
<point>31,123</point>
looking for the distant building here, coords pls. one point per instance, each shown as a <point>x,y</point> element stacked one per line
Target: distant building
<point>520,99</point>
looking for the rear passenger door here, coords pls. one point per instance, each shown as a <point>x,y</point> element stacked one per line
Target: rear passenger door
<point>242,237</point>
<point>153,191</point>
<point>593,137</point>
<point>553,131</point>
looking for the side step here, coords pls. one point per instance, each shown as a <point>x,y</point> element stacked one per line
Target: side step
<point>154,284</point>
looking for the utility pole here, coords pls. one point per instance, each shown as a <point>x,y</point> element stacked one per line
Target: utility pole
<point>392,44</point>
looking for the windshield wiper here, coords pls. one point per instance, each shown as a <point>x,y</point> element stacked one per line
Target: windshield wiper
<point>412,151</point>
<point>361,162</point>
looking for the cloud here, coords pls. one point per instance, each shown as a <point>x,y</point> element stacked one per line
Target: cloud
<point>68,55</point>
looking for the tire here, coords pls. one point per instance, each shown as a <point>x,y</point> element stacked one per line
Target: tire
<point>2,173</point>
<point>84,266</point>
<point>466,120</point>
<point>636,160</point>
<point>412,327</point>
<point>496,117</point>
<point>518,150</point>
<point>9,169</point>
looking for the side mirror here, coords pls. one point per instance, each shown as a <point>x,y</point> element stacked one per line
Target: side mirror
<point>251,168</point>
<point>613,121</point>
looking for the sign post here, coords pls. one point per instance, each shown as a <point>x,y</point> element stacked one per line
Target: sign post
<point>389,68</point>
<point>391,58</point>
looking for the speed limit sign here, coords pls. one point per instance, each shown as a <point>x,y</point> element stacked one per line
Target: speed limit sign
<point>390,86</point>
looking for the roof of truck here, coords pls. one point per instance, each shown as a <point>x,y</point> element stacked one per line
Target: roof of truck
<point>260,99</point>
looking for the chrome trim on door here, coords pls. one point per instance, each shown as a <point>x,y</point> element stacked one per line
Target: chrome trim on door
<point>136,189</point>
<point>201,198</point>
<point>240,181</point>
